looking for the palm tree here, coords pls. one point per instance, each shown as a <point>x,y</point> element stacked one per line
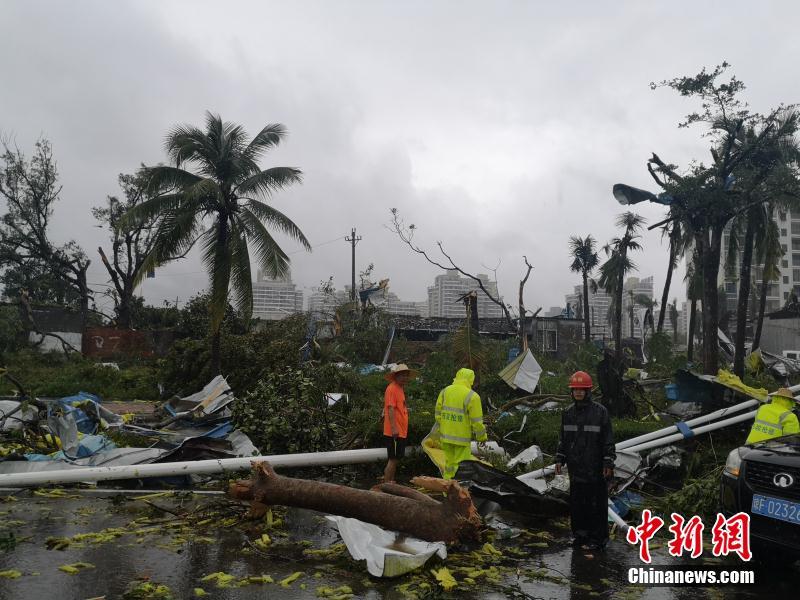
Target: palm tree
<point>584,261</point>
<point>769,252</point>
<point>673,320</point>
<point>694,292</point>
<point>221,204</point>
<point>613,271</point>
<point>677,246</point>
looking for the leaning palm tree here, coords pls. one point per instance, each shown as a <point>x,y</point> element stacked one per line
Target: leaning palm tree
<point>679,239</point>
<point>220,203</point>
<point>584,261</point>
<point>613,271</point>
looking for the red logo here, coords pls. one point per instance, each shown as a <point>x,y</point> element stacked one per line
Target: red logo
<point>732,536</point>
<point>642,534</point>
<point>727,536</point>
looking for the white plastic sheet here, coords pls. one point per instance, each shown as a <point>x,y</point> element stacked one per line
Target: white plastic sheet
<point>19,419</point>
<point>523,372</point>
<point>388,553</point>
<point>526,457</point>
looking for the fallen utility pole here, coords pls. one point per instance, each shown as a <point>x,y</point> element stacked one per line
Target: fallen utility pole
<point>197,467</point>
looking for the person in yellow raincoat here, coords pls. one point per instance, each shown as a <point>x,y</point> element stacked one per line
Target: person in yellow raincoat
<point>459,415</point>
<point>775,419</point>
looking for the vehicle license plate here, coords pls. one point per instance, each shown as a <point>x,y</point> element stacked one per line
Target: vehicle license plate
<point>776,508</point>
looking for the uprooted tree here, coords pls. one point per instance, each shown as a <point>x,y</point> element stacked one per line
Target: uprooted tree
<point>392,506</point>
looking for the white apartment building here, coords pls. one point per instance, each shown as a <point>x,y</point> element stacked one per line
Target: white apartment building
<point>632,288</point>
<point>275,299</point>
<point>599,303</point>
<point>322,304</point>
<point>449,287</point>
<point>395,306</point>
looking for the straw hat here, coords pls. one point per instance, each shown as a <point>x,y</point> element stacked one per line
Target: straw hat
<point>783,393</point>
<point>401,368</point>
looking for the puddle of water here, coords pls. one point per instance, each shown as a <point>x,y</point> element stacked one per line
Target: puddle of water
<point>540,562</point>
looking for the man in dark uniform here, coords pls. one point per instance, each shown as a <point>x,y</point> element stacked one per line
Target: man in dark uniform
<point>586,447</point>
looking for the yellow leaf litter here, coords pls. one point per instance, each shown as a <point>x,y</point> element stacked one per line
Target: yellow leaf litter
<point>10,574</point>
<point>445,578</point>
<point>75,567</point>
<point>291,579</point>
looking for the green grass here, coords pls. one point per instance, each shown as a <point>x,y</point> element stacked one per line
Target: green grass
<point>54,375</point>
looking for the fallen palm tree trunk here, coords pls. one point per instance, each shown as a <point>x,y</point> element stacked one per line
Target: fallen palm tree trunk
<point>393,507</point>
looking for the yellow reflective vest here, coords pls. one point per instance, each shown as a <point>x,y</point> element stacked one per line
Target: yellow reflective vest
<point>774,420</point>
<point>459,412</point>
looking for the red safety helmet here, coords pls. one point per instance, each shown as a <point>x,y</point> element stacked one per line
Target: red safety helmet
<point>580,380</point>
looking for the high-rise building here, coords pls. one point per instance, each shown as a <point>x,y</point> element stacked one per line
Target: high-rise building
<point>449,287</point>
<point>275,299</point>
<point>599,303</point>
<point>394,306</point>
<point>634,290</point>
<point>323,304</point>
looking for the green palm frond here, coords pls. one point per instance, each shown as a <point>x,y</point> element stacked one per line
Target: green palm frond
<point>177,231</point>
<point>163,177</point>
<point>186,143</point>
<point>150,209</point>
<point>268,181</point>
<point>266,139</point>
<point>582,250</point>
<point>216,256</point>
<point>273,260</point>
<point>277,219</point>
<point>241,277</point>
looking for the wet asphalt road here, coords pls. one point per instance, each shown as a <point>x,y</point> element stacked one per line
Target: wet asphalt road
<point>144,542</point>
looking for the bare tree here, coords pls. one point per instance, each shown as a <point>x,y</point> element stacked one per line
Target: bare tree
<point>406,235</point>
<point>131,243</point>
<point>523,336</point>
<point>30,189</point>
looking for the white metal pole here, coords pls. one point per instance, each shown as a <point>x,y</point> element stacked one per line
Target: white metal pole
<point>665,441</point>
<point>616,518</point>
<point>198,467</point>
<point>692,422</point>
<point>661,437</point>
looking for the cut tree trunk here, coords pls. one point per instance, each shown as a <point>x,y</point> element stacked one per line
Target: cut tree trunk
<point>391,506</point>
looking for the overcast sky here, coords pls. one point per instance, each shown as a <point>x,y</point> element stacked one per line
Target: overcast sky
<point>495,127</point>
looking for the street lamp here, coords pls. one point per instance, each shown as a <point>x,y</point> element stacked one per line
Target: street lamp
<point>626,194</point>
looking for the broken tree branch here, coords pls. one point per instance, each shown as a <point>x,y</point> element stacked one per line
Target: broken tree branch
<point>406,235</point>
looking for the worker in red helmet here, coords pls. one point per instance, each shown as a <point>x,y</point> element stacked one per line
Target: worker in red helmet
<point>586,447</point>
